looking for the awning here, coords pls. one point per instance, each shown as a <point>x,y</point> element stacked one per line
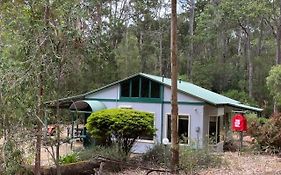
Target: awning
<point>87,105</point>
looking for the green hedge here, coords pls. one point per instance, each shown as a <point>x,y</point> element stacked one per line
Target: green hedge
<point>122,126</point>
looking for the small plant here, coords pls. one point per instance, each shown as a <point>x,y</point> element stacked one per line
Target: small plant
<point>192,160</point>
<point>12,159</point>
<point>69,158</point>
<point>157,155</point>
<point>111,152</point>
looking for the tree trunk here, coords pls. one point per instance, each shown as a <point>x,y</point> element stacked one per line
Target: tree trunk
<point>142,52</point>
<point>39,124</point>
<point>174,101</point>
<point>249,61</point>
<point>58,134</point>
<point>278,38</point>
<point>278,48</point>
<point>191,33</point>
<point>239,48</point>
<point>259,46</point>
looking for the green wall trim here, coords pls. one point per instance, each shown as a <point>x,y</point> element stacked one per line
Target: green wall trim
<point>162,111</point>
<point>145,100</point>
<point>187,103</point>
<point>141,100</point>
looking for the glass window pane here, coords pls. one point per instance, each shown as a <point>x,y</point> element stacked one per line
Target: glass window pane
<point>213,129</point>
<point>135,87</point>
<point>183,129</point>
<point>144,87</point>
<point>125,89</point>
<point>155,90</point>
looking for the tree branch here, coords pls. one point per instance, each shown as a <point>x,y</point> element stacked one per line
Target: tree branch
<point>271,26</point>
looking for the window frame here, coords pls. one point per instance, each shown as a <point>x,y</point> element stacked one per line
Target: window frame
<point>140,80</point>
<point>165,128</point>
<point>218,128</point>
<point>154,137</point>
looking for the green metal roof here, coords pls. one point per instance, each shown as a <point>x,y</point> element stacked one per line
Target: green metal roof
<point>84,104</point>
<point>201,93</point>
<point>185,87</point>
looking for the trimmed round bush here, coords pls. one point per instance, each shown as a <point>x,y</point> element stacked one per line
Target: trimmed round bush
<point>121,126</point>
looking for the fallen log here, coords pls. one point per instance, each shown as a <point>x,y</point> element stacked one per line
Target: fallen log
<point>92,167</point>
<point>78,168</point>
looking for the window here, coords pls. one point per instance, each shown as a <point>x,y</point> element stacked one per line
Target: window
<point>214,129</point>
<point>183,128</point>
<point>125,90</point>
<point>135,87</point>
<point>155,90</point>
<point>140,87</point>
<point>146,137</point>
<point>144,87</point>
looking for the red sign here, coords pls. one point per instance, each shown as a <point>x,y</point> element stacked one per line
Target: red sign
<point>239,123</point>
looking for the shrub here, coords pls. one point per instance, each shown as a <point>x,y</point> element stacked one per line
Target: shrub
<point>69,158</point>
<point>255,122</point>
<point>268,135</point>
<point>192,160</point>
<point>111,152</point>
<point>122,126</point>
<point>157,155</point>
<point>273,82</point>
<point>14,159</point>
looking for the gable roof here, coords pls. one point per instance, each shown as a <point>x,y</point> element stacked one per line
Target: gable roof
<point>194,90</point>
<point>202,93</point>
<point>185,87</point>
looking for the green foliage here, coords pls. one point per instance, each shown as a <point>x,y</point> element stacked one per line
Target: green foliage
<point>111,152</point>
<point>267,133</point>
<point>157,155</point>
<point>82,53</point>
<point>191,160</point>
<point>127,56</point>
<point>273,82</point>
<point>255,122</point>
<point>241,96</point>
<point>14,160</point>
<point>122,126</point>
<point>69,158</point>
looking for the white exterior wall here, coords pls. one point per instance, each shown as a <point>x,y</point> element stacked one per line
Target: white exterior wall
<point>214,111</point>
<point>195,113</point>
<point>155,108</point>
<point>111,92</point>
<point>160,110</point>
<point>181,96</point>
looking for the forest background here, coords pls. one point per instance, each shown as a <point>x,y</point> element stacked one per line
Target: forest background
<point>51,49</point>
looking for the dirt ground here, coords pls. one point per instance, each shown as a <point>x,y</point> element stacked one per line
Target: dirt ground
<point>65,148</point>
<point>245,164</point>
